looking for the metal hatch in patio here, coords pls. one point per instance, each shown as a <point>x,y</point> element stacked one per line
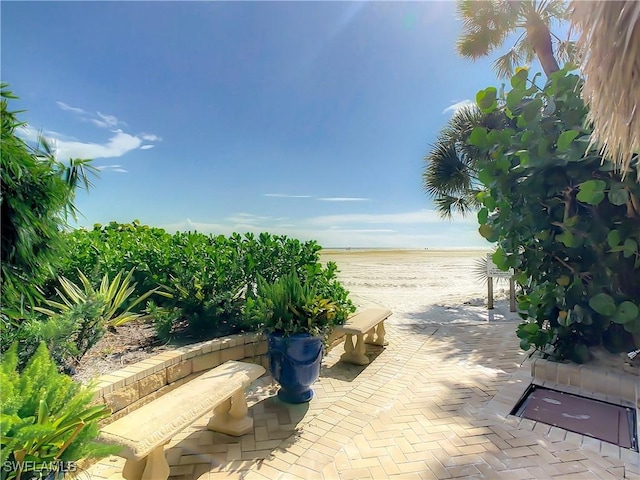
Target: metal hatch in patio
<point>605,421</point>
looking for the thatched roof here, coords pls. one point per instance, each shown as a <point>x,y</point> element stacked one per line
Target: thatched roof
<point>610,38</point>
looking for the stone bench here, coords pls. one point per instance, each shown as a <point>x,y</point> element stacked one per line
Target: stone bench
<point>370,322</point>
<point>144,432</point>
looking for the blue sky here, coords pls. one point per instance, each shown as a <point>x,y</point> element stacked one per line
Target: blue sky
<point>309,119</point>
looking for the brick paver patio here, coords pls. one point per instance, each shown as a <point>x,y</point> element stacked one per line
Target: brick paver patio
<point>419,410</point>
<point>422,409</point>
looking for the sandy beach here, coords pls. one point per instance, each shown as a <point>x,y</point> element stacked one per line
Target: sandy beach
<point>434,287</point>
<point>413,281</point>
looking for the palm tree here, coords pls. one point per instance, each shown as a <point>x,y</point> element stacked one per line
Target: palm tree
<point>610,37</point>
<point>450,174</point>
<point>487,24</point>
<point>36,195</point>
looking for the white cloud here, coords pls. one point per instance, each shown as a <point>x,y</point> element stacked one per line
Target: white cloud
<point>111,168</point>
<point>343,199</point>
<point>105,121</point>
<point>458,105</point>
<point>107,167</point>
<point>30,134</point>
<point>284,195</point>
<point>100,119</point>
<point>342,238</point>
<point>69,108</point>
<point>250,219</point>
<point>116,146</point>
<point>402,230</point>
<point>417,217</point>
<point>65,147</point>
<point>149,137</point>
<point>119,144</point>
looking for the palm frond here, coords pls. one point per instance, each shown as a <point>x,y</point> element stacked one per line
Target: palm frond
<point>445,173</point>
<point>550,10</point>
<point>487,24</point>
<point>505,65</point>
<point>525,50</point>
<point>462,122</point>
<point>472,45</point>
<point>567,52</point>
<point>78,173</point>
<point>448,205</point>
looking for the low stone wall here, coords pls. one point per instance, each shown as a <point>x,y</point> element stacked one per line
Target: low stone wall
<point>137,384</point>
<point>587,380</point>
<point>612,386</point>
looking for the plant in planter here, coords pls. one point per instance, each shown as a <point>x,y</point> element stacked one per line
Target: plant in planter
<point>298,320</point>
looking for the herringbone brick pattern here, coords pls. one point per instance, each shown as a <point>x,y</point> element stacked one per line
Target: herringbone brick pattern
<point>419,410</point>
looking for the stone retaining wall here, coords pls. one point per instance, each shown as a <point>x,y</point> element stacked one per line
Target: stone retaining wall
<point>137,384</point>
<point>611,386</point>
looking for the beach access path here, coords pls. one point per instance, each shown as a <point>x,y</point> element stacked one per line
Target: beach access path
<point>420,410</point>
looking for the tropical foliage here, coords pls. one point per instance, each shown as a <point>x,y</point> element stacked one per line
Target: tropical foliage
<point>79,317</point>
<point>294,304</point>
<point>450,174</point>
<point>488,24</point>
<point>566,222</point>
<point>36,199</point>
<point>46,419</point>
<point>37,194</point>
<point>205,277</point>
<point>112,296</point>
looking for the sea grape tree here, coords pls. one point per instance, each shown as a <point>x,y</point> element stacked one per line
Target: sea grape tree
<point>564,219</point>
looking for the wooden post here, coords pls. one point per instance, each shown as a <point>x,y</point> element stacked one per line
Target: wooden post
<point>490,287</point>
<point>512,295</point>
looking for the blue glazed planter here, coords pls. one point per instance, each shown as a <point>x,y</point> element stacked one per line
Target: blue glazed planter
<point>295,364</point>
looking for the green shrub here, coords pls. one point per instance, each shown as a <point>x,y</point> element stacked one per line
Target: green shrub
<point>566,222</point>
<point>164,319</point>
<point>206,275</point>
<point>68,335</point>
<point>46,419</point>
<point>112,298</point>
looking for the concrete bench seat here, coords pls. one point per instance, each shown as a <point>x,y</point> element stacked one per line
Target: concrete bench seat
<point>369,322</point>
<point>144,432</point>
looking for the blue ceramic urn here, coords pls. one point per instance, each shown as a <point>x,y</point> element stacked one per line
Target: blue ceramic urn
<point>294,362</point>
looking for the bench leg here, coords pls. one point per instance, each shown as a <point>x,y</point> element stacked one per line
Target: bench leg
<point>354,355</point>
<point>380,333</point>
<point>153,467</point>
<point>231,416</point>
<point>370,336</point>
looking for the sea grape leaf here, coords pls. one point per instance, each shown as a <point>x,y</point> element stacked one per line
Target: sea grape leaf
<point>487,99</point>
<point>618,195</point>
<point>603,304</point>
<point>565,139</point>
<point>626,312</point>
